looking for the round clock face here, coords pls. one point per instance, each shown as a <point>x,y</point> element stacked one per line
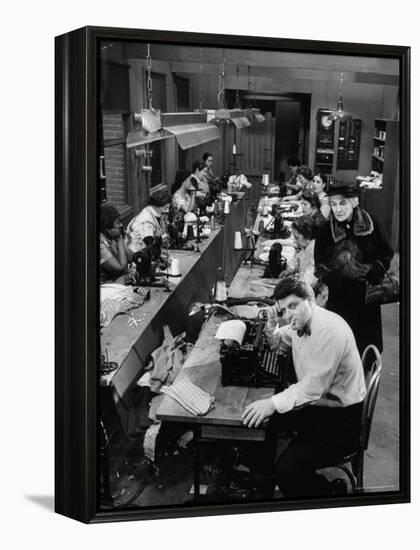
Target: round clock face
<point>325,121</point>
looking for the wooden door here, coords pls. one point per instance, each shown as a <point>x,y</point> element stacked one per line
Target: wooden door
<point>254,147</point>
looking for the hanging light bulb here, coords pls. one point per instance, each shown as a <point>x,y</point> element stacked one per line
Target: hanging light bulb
<point>340,114</point>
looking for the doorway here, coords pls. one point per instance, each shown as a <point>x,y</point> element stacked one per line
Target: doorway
<point>292,131</point>
<point>291,116</point>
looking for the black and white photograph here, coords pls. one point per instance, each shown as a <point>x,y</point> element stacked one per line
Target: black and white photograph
<point>249,260</point>
<point>209,307</point>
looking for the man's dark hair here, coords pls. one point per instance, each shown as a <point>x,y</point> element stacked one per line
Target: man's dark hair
<point>293,285</point>
<point>306,172</point>
<point>107,216</point>
<point>293,161</point>
<point>312,198</point>
<point>197,165</point>
<point>206,156</point>
<point>160,198</point>
<point>304,225</point>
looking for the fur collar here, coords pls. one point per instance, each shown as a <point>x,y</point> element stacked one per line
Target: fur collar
<point>361,225</point>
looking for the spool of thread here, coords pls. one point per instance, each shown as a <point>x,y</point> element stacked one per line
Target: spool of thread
<point>265,179</point>
<point>238,240</point>
<point>234,149</point>
<point>190,232</point>
<point>174,267</point>
<point>226,208</point>
<point>221,292</point>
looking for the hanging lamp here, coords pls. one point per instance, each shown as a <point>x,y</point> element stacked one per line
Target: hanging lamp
<point>189,128</point>
<point>340,114</point>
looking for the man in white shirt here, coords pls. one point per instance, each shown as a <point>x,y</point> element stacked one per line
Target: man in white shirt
<point>324,405</point>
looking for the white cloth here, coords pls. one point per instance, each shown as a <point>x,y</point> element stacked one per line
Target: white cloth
<point>145,224</point>
<point>195,400</point>
<point>327,364</point>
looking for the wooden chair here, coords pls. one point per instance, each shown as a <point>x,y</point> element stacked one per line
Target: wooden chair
<point>372,366</point>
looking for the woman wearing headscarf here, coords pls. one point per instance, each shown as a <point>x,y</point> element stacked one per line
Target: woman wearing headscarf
<point>350,251</point>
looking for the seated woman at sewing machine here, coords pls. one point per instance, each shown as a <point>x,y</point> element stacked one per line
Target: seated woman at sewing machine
<point>304,263</point>
<point>318,187</point>
<point>303,181</point>
<point>213,182</point>
<point>114,256</point>
<point>311,206</point>
<point>198,178</point>
<point>149,222</point>
<point>183,192</point>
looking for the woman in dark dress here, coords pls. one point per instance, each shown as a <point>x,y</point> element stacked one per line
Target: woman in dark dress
<point>350,251</point>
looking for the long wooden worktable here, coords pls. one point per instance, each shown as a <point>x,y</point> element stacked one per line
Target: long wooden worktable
<point>131,346</point>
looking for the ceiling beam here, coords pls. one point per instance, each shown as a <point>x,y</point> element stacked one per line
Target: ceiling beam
<point>286,72</point>
<point>257,58</point>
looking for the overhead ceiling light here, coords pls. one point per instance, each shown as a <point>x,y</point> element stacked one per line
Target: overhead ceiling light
<point>190,129</point>
<point>340,114</point>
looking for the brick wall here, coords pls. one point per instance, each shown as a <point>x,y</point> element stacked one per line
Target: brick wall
<point>115,162</point>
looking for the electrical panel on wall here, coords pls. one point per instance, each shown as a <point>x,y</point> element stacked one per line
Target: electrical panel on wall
<point>349,136</point>
<point>324,153</point>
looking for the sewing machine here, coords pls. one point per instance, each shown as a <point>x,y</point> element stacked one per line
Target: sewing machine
<point>276,229</point>
<point>147,261</point>
<point>175,228</point>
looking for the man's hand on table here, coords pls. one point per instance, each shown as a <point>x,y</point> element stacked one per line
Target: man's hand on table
<point>258,411</point>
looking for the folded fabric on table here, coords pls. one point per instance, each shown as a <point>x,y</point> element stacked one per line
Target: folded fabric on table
<point>117,299</point>
<point>195,400</point>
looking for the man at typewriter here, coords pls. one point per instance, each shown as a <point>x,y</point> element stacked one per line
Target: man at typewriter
<point>323,408</point>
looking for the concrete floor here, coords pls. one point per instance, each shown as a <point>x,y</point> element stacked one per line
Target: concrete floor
<point>382,457</point>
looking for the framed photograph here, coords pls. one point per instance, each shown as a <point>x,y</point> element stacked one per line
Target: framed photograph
<point>232,274</point>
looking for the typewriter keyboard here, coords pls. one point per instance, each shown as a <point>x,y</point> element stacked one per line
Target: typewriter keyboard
<point>270,363</point>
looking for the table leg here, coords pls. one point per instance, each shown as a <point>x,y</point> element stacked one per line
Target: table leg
<point>196,460</point>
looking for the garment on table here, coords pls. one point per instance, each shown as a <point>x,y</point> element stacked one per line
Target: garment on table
<point>167,359</point>
<point>146,224</point>
<point>326,361</point>
<point>192,398</point>
<point>117,299</point>
<point>338,247</point>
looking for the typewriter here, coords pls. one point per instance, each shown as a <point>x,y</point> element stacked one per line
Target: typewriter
<point>253,364</point>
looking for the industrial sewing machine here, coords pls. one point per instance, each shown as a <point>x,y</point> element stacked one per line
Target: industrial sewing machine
<point>175,229</point>
<point>150,264</point>
<point>276,229</point>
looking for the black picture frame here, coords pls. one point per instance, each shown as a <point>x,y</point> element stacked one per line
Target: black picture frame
<point>76,291</point>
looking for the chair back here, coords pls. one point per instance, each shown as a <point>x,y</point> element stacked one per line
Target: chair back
<point>372,366</point>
